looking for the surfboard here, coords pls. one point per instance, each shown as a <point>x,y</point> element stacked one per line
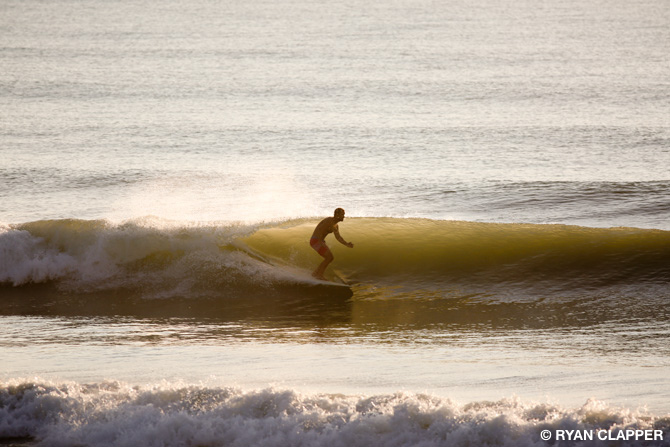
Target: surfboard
<point>290,272</point>
<point>306,277</point>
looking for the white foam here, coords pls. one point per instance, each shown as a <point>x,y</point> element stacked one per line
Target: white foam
<point>26,259</point>
<point>90,253</point>
<point>117,414</point>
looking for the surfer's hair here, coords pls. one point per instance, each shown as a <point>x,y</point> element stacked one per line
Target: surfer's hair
<point>338,211</point>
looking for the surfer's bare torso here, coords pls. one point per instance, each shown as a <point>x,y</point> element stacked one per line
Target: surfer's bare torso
<point>327,226</point>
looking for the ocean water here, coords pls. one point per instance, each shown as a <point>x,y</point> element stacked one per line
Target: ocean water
<point>504,170</point>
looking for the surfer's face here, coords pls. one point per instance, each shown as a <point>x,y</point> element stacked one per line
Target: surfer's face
<point>339,214</point>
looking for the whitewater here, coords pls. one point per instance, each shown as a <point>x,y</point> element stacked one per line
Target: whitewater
<point>504,171</point>
<point>195,416</point>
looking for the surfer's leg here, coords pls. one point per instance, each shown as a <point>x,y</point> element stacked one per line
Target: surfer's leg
<point>328,258</point>
<point>321,248</point>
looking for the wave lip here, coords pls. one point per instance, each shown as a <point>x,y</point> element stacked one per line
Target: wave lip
<point>117,414</point>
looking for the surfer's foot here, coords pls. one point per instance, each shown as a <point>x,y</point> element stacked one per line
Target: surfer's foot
<point>321,277</point>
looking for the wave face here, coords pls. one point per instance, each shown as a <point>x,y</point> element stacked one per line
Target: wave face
<point>433,254</point>
<point>116,414</point>
<point>151,258</point>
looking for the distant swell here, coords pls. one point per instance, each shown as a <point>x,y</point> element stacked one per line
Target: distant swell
<point>157,259</point>
<point>116,414</point>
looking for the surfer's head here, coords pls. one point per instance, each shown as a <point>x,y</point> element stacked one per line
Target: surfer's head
<point>339,214</point>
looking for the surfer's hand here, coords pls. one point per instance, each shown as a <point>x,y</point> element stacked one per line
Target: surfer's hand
<point>350,245</point>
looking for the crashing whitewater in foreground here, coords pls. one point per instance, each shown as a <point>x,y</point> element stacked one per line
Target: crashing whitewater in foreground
<point>116,414</point>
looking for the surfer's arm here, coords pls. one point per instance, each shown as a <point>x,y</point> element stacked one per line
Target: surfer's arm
<point>336,232</point>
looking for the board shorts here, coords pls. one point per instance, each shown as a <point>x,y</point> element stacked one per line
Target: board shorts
<point>319,245</point>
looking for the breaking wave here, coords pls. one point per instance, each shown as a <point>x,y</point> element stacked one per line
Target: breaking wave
<point>117,414</point>
<point>387,249</point>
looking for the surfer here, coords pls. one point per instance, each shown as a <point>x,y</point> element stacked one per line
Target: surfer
<point>318,240</point>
